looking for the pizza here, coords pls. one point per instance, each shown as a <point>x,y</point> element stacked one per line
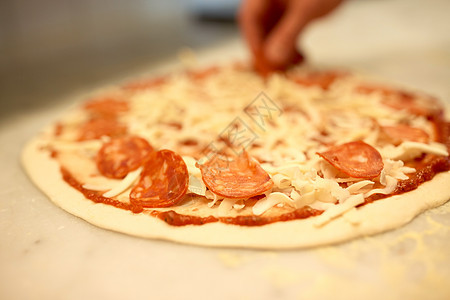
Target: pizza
<point>224,157</point>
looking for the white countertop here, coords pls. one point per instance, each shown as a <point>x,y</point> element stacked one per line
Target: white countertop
<point>46,253</point>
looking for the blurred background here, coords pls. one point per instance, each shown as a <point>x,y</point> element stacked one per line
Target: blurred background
<point>52,48</point>
<point>49,48</point>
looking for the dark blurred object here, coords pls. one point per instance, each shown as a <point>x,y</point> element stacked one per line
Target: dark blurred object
<point>51,48</point>
<point>218,11</point>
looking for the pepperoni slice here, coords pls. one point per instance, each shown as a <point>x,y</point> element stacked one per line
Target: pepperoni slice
<point>164,181</point>
<point>144,84</point>
<point>426,107</point>
<point>242,177</point>
<point>59,129</point>
<point>96,128</point>
<point>402,100</point>
<point>203,74</point>
<point>401,133</point>
<point>356,159</point>
<point>120,156</point>
<point>321,79</point>
<point>188,142</point>
<point>106,107</point>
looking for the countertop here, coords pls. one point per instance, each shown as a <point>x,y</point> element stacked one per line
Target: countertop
<point>46,253</point>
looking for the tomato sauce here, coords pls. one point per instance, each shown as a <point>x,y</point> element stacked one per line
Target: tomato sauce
<point>96,196</point>
<point>175,219</point>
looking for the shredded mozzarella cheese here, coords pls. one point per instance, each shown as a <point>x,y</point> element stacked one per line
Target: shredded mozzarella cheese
<point>271,200</point>
<point>124,184</point>
<point>196,186</point>
<point>391,184</point>
<point>410,150</point>
<point>357,186</point>
<point>281,181</point>
<point>225,206</point>
<point>213,196</point>
<point>338,210</point>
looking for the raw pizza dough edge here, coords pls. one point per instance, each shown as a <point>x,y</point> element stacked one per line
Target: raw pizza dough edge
<point>377,217</point>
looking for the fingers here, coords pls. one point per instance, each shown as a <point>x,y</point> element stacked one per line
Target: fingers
<point>271,29</point>
<point>250,18</point>
<point>280,47</point>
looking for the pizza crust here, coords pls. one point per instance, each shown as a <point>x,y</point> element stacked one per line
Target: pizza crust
<point>377,217</point>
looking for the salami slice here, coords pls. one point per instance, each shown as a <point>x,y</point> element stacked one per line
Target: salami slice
<point>321,79</point>
<point>120,156</point>
<point>424,107</point>
<point>164,181</point>
<point>96,128</point>
<point>145,84</point>
<point>401,133</point>
<point>242,177</point>
<point>106,107</point>
<point>402,100</point>
<point>356,159</point>
<point>203,74</point>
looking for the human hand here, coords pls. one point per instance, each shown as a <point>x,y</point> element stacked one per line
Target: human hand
<point>271,28</point>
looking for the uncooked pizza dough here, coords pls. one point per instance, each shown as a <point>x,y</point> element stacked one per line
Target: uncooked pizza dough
<point>335,150</point>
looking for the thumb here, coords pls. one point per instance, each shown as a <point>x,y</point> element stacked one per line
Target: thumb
<point>280,46</point>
